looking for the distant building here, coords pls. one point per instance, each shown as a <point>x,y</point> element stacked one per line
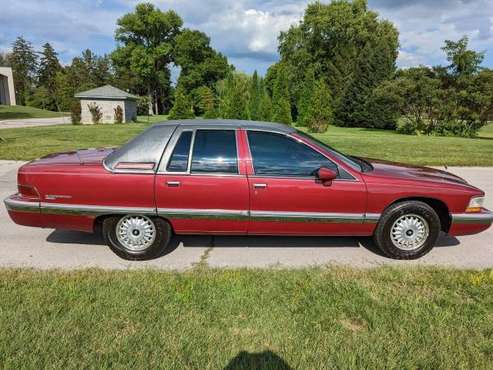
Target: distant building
<point>107,98</point>
<point>7,92</point>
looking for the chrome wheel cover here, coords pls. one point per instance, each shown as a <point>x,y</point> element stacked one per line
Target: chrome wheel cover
<point>409,232</point>
<point>136,233</point>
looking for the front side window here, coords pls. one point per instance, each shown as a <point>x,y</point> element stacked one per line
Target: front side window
<point>278,155</point>
<point>179,158</point>
<point>214,151</point>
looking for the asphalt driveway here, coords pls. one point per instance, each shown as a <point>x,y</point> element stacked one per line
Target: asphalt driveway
<point>45,248</point>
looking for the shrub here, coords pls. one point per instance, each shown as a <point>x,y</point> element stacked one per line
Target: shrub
<point>75,113</point>
<point>96,112</point>
<point>143,105</point>
<point>118,114</point>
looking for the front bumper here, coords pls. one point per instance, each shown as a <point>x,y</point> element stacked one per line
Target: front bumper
<point>470,223</point>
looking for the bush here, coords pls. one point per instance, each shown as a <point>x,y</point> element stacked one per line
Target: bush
<point>118,114</point>
<point>96,112</point>
<point>143,105</point>
<point>75,113</point>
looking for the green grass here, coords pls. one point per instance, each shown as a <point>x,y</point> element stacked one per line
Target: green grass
<point>33,142</point>
<point>487,131</point>
<point>20,111</point>
<point>207,319</point>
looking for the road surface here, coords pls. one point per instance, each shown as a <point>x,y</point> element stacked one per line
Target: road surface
<point>32,122</point>
<point>44,248</point>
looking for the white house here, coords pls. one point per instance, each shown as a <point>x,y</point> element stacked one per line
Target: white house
<point>107,98</point>
<point>7,92</point>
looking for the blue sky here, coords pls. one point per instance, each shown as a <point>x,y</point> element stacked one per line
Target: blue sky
<point>244,30</point>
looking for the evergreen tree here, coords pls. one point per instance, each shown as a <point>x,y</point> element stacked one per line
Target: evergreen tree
<point>206,103</point>
<point>182,108</point>
<point>265,107</point>
<point>233,97</point>
<point>319,113</point>
<point>281,107</point>
<point>49,66</point>
<point>375,65</point>
<point>305,100</point>
<point>23,61</point>
<point>254,97</point>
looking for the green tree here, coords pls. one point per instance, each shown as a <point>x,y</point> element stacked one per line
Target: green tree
<point>49,66</point>
<point>182,107</point>
<point>463,61</point>
<point>319,113</point>
<point>281,107</point>
<point>205,102</point>
<point>254,97</point>
<point>200,64</point>
<point>305,100</point>
<point>265,104</point>
<point>4,60</point>
<point>146,40</point>
<point>233,96</point>
<point>24,62</point>
<point>336,41</point>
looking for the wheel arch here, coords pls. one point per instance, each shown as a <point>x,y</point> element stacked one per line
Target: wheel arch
<point>438,206</point>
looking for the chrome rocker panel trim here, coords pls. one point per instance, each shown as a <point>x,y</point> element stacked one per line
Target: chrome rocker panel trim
<point>484,217</point>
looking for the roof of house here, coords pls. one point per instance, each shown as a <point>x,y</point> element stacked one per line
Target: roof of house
<point>106,92</point>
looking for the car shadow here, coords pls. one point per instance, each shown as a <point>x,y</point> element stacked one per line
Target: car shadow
<point>260,360</point>
<point>201,241</point>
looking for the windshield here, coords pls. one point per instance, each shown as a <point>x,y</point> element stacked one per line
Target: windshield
<point>354,164</point>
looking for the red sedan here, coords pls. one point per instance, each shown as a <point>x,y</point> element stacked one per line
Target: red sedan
<point>241,178</point>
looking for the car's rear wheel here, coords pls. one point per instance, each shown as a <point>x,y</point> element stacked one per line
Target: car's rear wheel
<point>407,230</point>
<point>137,237</point>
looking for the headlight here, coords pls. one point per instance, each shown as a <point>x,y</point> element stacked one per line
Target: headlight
<point>475,204</point>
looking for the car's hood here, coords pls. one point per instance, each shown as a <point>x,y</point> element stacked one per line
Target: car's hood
<point>81,156</point>
<point>405,171</point>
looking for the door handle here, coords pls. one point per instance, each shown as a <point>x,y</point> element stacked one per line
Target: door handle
<point>259,186</point>
<point>173,183</point>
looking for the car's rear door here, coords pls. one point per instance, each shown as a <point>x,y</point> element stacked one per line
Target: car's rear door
<point>201,186</point>
<point>286,197</point>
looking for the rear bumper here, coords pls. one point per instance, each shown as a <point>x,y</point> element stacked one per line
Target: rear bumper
<point>470,223</point>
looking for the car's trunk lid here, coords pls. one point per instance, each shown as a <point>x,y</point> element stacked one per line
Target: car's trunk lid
<point>81,156</point>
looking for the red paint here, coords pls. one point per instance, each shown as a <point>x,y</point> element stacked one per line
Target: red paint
<point>80,179</point>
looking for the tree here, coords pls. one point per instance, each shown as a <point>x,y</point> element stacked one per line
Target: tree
<point>146,40</point>
<point>463,61</point>
<point>233,96</point>
<point>281,107</point>
<point>4,60</point>
<point>23,61</point>
<point>254,97</point>
<point>305,100</point>
<point>200,64</point>
<point>182,108</point>
<point>336,40</point>
<point>205,102</point>
<point>49,66</point>
<point>376,64</point>
<point>319,113</point>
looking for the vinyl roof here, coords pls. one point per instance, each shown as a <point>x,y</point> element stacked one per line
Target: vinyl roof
<point>106,92</point>
<point>279,127</point>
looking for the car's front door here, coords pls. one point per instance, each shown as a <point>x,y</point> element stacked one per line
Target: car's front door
<point>287,198</point>
<point>200,186</point>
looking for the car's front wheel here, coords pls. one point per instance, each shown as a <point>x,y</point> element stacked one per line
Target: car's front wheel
<point>137,237</point>
<point>407,230</point>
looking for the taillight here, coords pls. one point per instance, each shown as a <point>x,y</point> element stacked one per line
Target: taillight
<point>29,192</point>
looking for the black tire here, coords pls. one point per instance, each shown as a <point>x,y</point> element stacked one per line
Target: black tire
<point>160,246</point>
<point>383,238</point>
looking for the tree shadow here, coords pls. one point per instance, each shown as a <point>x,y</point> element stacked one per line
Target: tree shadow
<point>259,360</point>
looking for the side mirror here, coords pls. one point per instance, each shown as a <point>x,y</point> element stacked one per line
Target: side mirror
<point>326,175</point>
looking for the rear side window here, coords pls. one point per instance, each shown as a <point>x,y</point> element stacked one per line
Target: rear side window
<point>179,159</point>
<point>278,155</point>
<point>214,151</point>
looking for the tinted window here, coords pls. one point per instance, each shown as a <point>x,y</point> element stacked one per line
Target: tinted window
<point>179,159</point>
<point>276,154</point>
<point>215,151</point>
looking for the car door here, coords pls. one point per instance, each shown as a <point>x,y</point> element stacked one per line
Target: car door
<point>200,186</point>
<point>286,197</point>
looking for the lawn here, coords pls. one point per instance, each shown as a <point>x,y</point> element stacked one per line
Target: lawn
<point>29,143</point>
<point>20,111</point>
<point>208,319</point>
